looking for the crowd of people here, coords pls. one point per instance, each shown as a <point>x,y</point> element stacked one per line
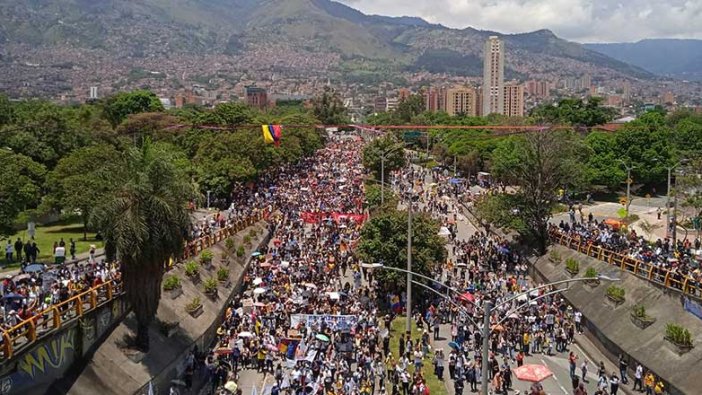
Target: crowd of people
<point>679,259</point>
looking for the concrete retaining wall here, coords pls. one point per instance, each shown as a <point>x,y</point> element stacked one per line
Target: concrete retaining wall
<point>613,329</point>
<point>35,370</point>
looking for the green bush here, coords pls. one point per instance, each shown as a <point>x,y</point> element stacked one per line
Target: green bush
<point>247,240</point>
<point>240,251</point>
<point>229,243</point>
<point>572,265</point>
<point>210,285</point>
<point>171,283</point>
<point>253,233</point>
<point>616,293</point>
<point>554,256</point>
<point>193,304</point>
<point>678,334</point>
<point>639,311</point>
<point>192,268</point>
<point>591,272</point>
<point>206,256</point>
<point>222,274</point>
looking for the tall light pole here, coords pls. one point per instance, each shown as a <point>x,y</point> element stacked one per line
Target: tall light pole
<point>383,158</point>
<point>628,185</point>
<point>408,307</point>
<point>667,197</point>
<point>488,308</point>
<point>487,311</point>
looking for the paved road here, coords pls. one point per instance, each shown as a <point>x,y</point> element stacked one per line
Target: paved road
<point>560,383</point>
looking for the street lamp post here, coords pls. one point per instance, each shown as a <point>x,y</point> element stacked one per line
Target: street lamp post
<point>383,158</point>
<point>628,185</point>
<point>488,307</point>
<point>408,308</point>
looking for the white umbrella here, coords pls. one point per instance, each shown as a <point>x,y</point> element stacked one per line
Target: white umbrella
<point>259,291</point>
<point>461,264</point>
<point>284,264</point>
<point>334,295</point>
<point>257,280</point>
<point>444,231</point>
<point>245,334</point>
<point>231,386</point>
<point>310,285</point>
<point>522,298</point>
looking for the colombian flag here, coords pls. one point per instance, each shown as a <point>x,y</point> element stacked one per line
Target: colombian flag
<point>272,134</point>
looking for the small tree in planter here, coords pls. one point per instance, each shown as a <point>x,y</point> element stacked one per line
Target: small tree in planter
<point>172,285</point>
<point>572,266</point>
<point>615,295</point>
<point>253,233</point>
<point>591,272</point>
<point>240,251</point>
<point>247,240</point>
<point>194,308</point>
<point>679,337</point>
<point>222,275</point>
<point>210,286</point>
<point>555,257</point>
<point>229,243</point>
<point>640,318</point>
<point>192,270</point>
<point>206,259</point>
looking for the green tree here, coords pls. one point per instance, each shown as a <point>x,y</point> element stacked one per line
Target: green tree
<point>44,131</point>
<point>20,189</point>
<point>387,147</point>
<point>539,164</point>
<point>329,108</point>
<point>384,239</point>
<point>603,166</point>
<point>5,110</point>
<point>646,144</point>
<point>81,179</point>
<point>145,219</point>
<point>574,112</point>
<point>118,107</point>
<point>410,108</point>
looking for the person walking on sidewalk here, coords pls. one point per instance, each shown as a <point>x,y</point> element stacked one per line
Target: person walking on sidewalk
<point>623,365</point>
<point>638,377</point>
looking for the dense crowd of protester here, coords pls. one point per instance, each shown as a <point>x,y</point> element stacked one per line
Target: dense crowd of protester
<point>679,259</point>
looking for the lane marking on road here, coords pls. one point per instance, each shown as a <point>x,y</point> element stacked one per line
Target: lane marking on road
<point>556,378</point>
<point>263,386</point>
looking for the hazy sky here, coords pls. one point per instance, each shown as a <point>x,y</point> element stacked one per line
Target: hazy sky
<point>577,20</point>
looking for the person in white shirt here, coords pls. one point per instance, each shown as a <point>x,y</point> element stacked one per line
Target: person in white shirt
<point>638,377</point>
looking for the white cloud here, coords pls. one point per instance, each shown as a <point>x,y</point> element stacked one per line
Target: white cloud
<point>577,20</point>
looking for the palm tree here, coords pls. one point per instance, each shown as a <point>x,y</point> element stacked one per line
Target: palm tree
<point>145,221</point>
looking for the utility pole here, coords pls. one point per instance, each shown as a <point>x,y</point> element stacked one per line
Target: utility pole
<point>487,311</point>
<point>382,180</point>
<point>454,166</point>
<point>667,205</point>
<point>408,308</point>
<point>628,185</point>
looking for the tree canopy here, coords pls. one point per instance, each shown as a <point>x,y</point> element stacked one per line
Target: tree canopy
<point>384,147</point>
<point>384,239</point>
<point>119,106</point>
<point>145,219</point>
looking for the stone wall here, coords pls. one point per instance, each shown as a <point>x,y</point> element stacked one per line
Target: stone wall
<point>613,329</point>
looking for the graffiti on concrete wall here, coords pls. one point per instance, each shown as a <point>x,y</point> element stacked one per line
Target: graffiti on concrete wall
<point>42,364</point>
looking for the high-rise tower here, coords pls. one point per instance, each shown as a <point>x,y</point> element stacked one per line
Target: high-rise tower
<point>493,76</point>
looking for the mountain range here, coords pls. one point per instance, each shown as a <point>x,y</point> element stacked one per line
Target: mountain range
<point>675,58</point>
<point>75,38</point>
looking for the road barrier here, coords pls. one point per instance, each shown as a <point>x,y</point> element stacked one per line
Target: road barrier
<point>666,278</point>
<point>28,331</point>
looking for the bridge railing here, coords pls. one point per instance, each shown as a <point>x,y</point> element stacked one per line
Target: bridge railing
<point>27,332</point>
<point>661,276</point>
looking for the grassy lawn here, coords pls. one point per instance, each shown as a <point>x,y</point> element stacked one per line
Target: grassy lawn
<point>46,236</point>
<point>397,327</point>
